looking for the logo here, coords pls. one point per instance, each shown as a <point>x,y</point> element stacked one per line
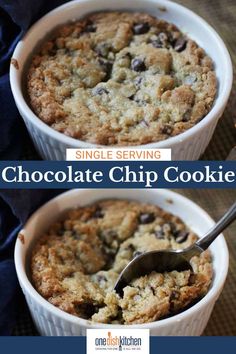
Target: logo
<point>118,340</point>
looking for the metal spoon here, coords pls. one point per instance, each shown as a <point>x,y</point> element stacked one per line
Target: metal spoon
<point>169,260</point>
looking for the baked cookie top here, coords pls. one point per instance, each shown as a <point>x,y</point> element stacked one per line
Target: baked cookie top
<point>120,78</point>
<point>77,262</point>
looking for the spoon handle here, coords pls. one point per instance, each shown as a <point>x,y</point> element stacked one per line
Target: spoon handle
<point>211,235</point>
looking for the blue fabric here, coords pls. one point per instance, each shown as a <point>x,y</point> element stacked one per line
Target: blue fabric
<point>16,16</point>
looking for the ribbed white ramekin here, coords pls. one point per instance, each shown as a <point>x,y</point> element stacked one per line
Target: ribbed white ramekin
<point>189,145</point>
<point>51,321</point>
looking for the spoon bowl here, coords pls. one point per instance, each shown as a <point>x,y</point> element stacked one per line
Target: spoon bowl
<point>160,261</point>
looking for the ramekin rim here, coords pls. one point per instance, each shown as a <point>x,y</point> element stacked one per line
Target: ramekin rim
<point>219,104</point>
<point>210,297</point>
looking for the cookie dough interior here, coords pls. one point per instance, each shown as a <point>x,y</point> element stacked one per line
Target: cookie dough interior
<point>120,78</point>
<point>76,263</point>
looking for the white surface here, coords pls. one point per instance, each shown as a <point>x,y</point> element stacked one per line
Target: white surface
<point>50,320</point>
<point>186,146</point>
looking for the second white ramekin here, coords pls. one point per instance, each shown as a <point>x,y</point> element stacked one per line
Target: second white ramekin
<point>51,321</point>
<point>189,145</point>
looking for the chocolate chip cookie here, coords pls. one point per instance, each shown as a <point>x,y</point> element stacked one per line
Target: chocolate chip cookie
<point>76,263</point>
<point>121,78</point>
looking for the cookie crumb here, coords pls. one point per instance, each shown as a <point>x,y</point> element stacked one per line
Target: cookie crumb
<point>21,238</point>
<point>14,62</point>
<point>169,201</point>
<point>162,8</point>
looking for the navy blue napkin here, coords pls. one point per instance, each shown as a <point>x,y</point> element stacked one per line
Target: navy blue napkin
<point>16,16</point>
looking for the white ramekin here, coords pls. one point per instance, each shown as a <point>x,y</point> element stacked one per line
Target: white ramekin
<point>51,321</point>
<point>189,145</point>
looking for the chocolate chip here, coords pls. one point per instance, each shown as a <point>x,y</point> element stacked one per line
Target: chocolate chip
<point>191,279</point>
<point>71,274</point>
<point>137,253</point>
<point>131,247</point>
<point>140,103</point>
<point>61,232</point>
<point>152,290</point>
<point>146,218</point>
<point>170,229</point>
<point>174,295</point>
<point>132,97</point>
<point>173,228</point>
<point>103,49</point>
<point>161,41</point>
<point>127,55</point>
<point>159,234</point>
<point>106,66</point>
<point>98,214</point>
<point>108,237</point>
<point>141,28</point>
<point>90,27</point>
<point>172,38</point>
<point>75,235</point>
<point>138,65</point>
<point>167,129</point>
<point>53,51</point>
<point>100,91</point>
<point>181,236</point>
<point>187,115</point>
<point>180,44</point>
<point>157,43</point>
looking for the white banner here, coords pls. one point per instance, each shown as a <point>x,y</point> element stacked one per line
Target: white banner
<point>117,340</point>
